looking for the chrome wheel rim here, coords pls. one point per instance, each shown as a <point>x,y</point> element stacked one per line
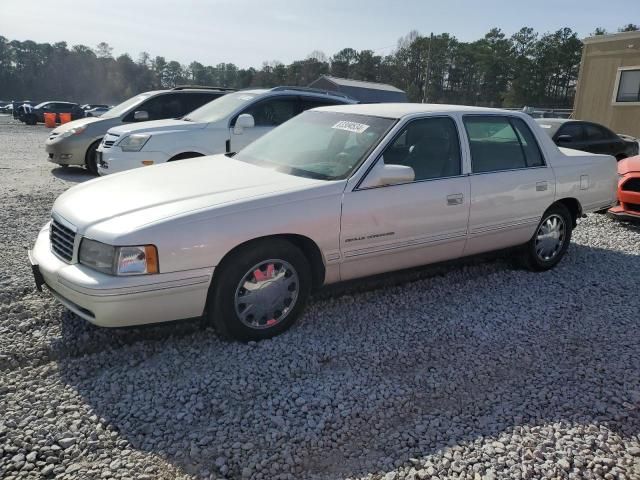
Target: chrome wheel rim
<point>550,237</point>
<point>266,294</point>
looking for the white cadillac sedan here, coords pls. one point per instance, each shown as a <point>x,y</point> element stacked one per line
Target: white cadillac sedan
<point>333,194</point>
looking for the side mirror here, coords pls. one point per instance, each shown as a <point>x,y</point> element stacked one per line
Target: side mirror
<point>383,174</point>
<point>565,139</point>
<point>140,116</point>
<point>243,121</point>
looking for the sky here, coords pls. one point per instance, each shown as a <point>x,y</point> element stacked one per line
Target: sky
<point>249,32</point>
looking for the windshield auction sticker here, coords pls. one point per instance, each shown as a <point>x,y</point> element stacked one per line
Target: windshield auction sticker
<point>354,127</point>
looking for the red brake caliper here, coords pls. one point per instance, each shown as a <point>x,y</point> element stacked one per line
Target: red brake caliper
<point>261,276</point>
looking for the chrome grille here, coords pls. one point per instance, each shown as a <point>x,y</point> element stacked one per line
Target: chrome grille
<point>62,240</point>
<point>109,140</point>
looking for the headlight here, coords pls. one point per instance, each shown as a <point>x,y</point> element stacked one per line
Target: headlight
<point>134,143</point>
<point>73,131</point>
<point>136,260</point>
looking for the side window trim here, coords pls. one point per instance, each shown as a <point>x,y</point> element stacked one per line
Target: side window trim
<point>537,145</point>
<point>397,135</point>
<point>508,118</point>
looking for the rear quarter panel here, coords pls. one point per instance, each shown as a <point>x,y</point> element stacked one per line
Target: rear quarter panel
<point>591,179</point>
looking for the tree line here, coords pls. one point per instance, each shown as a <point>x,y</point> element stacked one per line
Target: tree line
<point>526,68</point>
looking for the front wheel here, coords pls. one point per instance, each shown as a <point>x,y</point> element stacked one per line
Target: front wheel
<point>90,160</point>
<point>261,289</point>
<point>550,241</point>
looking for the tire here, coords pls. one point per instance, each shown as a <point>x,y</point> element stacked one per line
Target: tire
<point>285,283</point>
<point>90,157</point>
<point>184,156</point>
<point>541,254</point>
<point>31,120</point>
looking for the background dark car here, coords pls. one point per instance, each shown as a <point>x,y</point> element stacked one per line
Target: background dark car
<point>90,106</point>
<point>588,137</point>
<point>16,110</point>
<point>37,114</point>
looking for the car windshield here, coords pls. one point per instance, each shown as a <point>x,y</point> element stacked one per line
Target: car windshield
<point>318,144</point>
<point>126,105</point>
<point>220,107</point>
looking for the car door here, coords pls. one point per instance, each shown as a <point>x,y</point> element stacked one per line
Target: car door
<point>511,184</point>
<point>267,114</point>
<point>398,226</point>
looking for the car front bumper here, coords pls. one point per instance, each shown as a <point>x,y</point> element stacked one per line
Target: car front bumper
<point>628,207</point>
<point>67,151</point>
<point>110,301</point>
<point>114,160</point>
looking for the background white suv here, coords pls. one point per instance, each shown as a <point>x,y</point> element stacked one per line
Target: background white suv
<point>224,125</point>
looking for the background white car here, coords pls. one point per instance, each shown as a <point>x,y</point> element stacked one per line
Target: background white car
<point>336,193</point>
<point>224,125</point>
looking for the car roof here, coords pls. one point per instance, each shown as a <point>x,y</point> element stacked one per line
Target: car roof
<point>301,91</point>
<point>399,110</point>
<point>555,121</point>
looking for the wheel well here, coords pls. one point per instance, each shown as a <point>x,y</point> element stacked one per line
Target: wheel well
<point>574,208</point>
<point>86,154</point>
<point>620,156</point>
<point>305,244</point>
<point>185,155</point>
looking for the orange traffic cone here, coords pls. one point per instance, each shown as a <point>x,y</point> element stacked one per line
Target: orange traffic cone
<point>64,118</point>
<point>50,120</point>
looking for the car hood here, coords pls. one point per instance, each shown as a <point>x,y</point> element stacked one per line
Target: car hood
<point>75,123</point>
<point>628,165</point>
<point>155,126</point>
<point>121,203</point>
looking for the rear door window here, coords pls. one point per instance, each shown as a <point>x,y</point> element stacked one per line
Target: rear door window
<point>494,143</point>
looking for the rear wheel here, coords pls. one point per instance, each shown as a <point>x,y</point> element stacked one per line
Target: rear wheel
<point>30,120</point>
<point>260,290</point>
<point>90,157</point>
<point>550,241</point>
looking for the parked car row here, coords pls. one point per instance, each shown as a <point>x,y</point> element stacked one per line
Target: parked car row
<point>25,112</point>
<point>75,143</point>
<point>295,198</point>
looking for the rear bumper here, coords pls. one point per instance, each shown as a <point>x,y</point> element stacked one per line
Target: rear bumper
<point>109,301</point>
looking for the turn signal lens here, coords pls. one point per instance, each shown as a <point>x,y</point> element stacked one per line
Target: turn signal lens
<point>147,162</point>
<point>138,260</point>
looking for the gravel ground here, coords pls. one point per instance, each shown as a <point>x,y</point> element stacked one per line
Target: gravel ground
<point>472,371</point>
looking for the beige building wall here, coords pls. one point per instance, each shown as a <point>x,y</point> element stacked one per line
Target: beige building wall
<point>602,57</point>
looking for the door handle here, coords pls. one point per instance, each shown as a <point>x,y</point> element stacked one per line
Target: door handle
<point>455,199</point>
<point>541,186</point>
